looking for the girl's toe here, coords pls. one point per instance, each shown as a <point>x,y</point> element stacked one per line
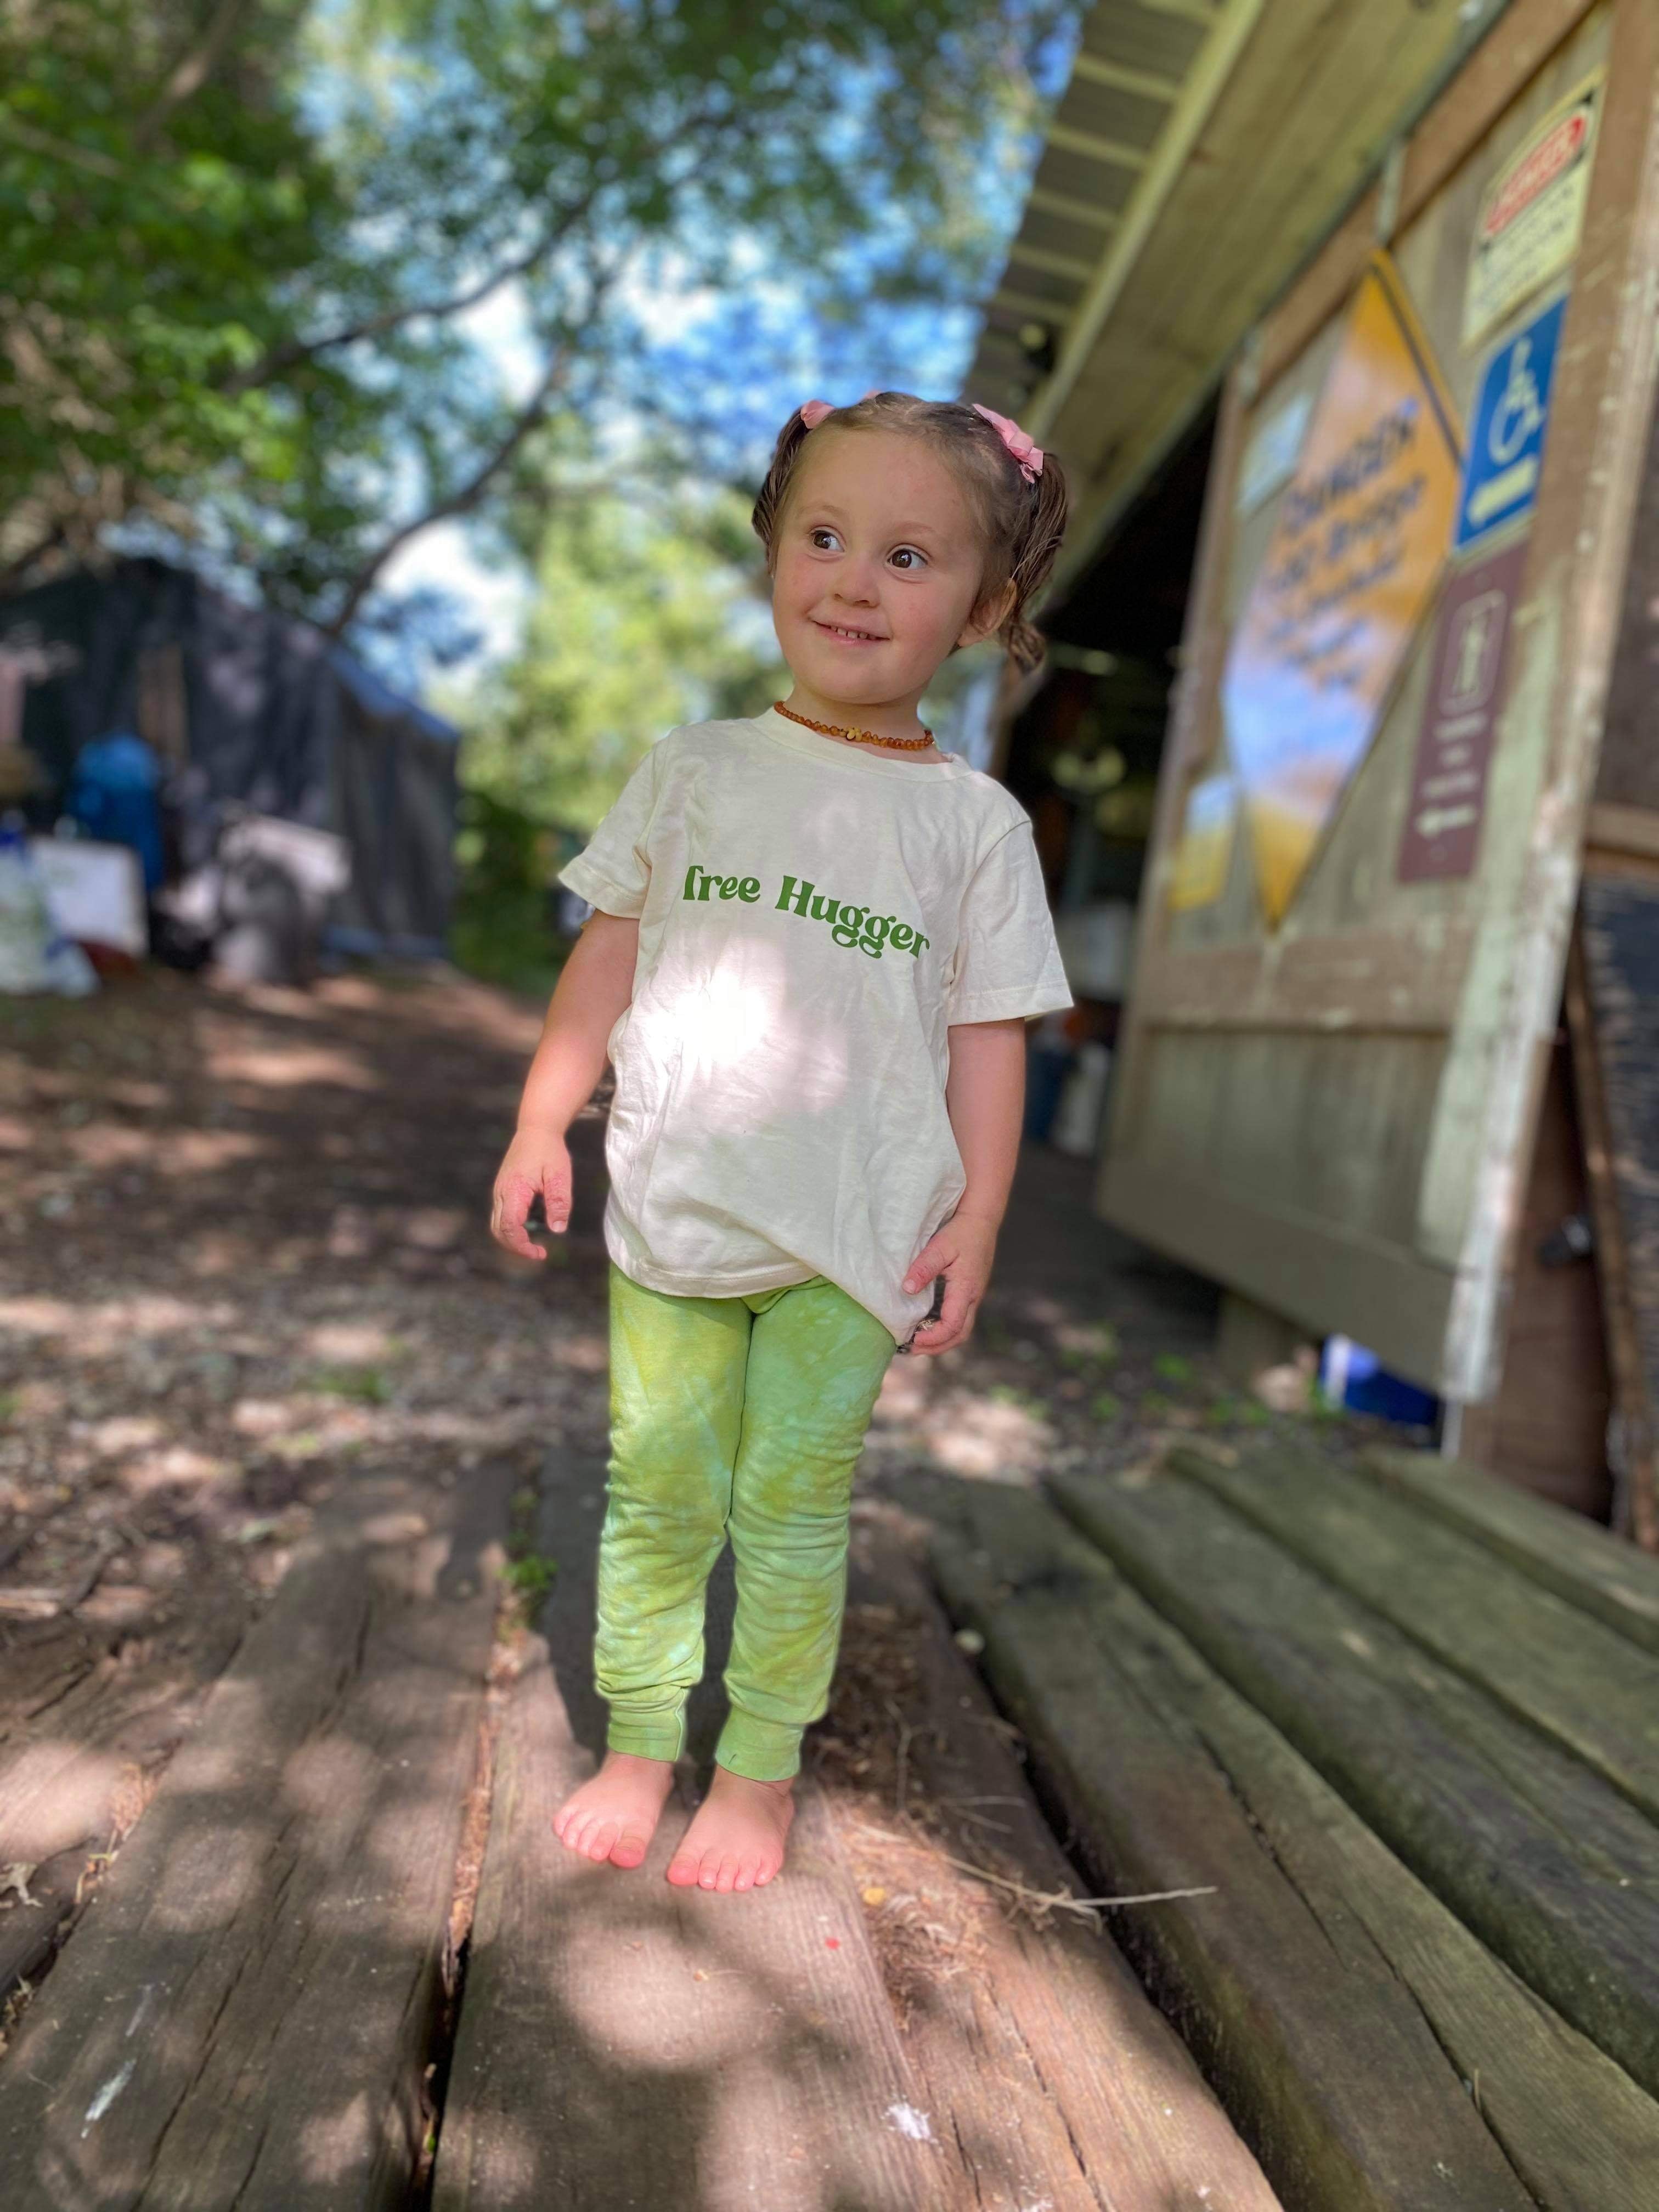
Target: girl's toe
<point>726,1875</point>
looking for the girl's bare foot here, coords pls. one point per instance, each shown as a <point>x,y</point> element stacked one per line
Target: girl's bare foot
<point>736,1840</point>
<point>615,1815</point>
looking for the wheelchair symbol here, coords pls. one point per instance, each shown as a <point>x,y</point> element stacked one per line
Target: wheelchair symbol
<point>1519,415</point>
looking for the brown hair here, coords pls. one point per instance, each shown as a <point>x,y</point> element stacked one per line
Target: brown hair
<point>1021,523</point>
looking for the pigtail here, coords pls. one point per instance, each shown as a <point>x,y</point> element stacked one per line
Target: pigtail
<point>1031,557</point>
<point>769,502</point>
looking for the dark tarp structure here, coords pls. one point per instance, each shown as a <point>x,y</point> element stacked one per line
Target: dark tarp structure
<point>270,712</point>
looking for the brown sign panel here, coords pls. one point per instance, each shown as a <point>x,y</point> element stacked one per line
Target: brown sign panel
<point>1466,690</point>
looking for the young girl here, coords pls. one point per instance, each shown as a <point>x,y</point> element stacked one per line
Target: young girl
<point>816,941</point>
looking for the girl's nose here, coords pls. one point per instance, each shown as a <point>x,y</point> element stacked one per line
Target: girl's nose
<point>857,584</point>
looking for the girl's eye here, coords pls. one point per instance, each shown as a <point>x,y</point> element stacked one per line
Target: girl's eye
<point>909,556</point>
<point>818,537</point>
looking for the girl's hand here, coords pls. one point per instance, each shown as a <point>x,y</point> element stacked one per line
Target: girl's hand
<point>537,1160</point>
<point>962,1252</point>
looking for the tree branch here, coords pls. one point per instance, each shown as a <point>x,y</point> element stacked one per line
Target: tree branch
<point>189,74</point>
<point>292,352</point>
<point>60,150</point>
<point>466,496</point>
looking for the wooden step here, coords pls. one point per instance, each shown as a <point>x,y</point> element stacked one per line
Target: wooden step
<point>873,2029</point>
<point>245,2015</point>
<point>1320,2051</point>
<point>1554,1869</point>
<point>1576,1559</point>
<point>1355,2027</point>
<point>625,2043</point>
<point>1546,1660</point>
<point>1031,2033</point>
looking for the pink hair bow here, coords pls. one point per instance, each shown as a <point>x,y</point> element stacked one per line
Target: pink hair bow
<point>1028,455</point>
<point>812,411</point>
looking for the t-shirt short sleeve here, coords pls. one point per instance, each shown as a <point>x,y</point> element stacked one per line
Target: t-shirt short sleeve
<point>613,869</point>
<point>1007,962</point>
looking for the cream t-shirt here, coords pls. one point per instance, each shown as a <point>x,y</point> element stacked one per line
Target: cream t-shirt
<point>812,919</point>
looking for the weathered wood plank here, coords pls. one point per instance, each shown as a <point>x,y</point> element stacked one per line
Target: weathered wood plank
<point>1561,1551</point>
<point>1321,2056</point>
<point>1554,1869</point>
<point>87,1720</point>
<point>624,2043</point>
<point>592,2067</point>
<point>1533,1652</point>
<point>245,2018</point>
<point>1033,2046</point>
<point>1578,2132</point>
<point>1620,937</point>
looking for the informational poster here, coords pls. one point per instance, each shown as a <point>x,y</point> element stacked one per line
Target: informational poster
<point>1465,693</point>
<point>1506,444</point>
<point>1532,212</point>
<point>1204,851</point>
<point>1270,457</point>
<point>1362,530</point>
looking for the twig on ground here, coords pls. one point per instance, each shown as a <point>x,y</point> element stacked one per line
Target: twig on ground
<point>1039,1900</point>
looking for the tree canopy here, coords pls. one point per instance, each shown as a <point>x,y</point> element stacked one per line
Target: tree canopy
<point>249,244</point>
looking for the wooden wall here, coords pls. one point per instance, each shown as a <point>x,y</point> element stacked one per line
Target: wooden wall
<point>1337,1117</point>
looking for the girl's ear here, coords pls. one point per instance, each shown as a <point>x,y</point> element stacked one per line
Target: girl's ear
<point>988,615</point>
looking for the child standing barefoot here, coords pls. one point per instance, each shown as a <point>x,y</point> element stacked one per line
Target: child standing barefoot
<point>816,941</point>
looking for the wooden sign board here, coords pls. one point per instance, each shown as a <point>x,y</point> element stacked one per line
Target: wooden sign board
<point>1329,1078</point>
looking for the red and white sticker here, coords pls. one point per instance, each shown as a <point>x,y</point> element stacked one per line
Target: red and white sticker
<point>1532,212</point>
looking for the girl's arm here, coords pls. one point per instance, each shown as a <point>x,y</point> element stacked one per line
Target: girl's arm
<point>985,1097</point>
<point>596,985</point>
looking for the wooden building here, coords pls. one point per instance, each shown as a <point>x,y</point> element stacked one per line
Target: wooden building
<point>1343,322</point>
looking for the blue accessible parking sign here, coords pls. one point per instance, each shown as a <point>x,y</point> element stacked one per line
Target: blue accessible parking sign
<point>1506,448</point>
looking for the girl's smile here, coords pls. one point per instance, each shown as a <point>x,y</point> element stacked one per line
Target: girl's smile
<point>850,636</point>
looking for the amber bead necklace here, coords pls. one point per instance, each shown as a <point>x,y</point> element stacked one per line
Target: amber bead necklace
<point>858,737</point>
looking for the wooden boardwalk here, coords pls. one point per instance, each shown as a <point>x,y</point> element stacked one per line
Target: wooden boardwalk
<point>270,2003</point>
<point>1405,1720</point>
<point>1392,1730</point>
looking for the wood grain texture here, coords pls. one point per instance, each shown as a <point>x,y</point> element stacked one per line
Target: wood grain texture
<point>1052,2071</point>
<point>88,1719</point>
<point>627,2045</point>
<point>1631,1454</point>
<point>1537,1654</point>
<point>1546,1427</point>
<point>1548,1864</point>
<point>624,2043</point>
<point>244,2019</point>
<point>1599,1572</point>
<point>1288,1261</point>
<point>1619,930</point>
<point>1094,1670</point>
<point>1323,2059</point>
<point>1489,83</point>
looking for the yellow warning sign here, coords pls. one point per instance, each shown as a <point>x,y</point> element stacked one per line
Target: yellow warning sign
<point>1363,528</point>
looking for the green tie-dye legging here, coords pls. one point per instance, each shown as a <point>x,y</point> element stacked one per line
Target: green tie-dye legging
<point>741,1416</point>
